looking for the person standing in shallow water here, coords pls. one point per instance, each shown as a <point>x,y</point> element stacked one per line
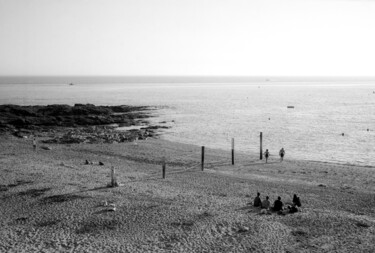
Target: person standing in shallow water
<point>282,153</point>
<point>266,155</point>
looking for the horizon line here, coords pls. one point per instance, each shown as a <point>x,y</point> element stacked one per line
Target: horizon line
<point>34,79</point>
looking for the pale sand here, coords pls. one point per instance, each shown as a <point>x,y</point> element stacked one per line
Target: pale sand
<point>52,202</point>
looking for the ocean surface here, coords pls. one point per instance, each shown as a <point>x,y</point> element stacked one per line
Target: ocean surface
<point>212,114</point>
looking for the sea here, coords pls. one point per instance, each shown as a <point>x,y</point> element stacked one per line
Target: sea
<point>311,121</point>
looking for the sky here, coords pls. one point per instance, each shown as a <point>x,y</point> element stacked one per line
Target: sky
<point>187,37</point>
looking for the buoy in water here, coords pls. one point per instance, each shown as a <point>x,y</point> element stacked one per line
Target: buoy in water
<point>342,134</point>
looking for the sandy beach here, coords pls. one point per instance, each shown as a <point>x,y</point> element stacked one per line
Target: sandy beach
<point>52,202</point>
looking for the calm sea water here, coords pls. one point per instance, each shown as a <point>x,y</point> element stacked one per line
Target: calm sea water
<point>212,114</point>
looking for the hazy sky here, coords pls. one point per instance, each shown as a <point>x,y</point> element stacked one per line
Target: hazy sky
<point>187,37</point>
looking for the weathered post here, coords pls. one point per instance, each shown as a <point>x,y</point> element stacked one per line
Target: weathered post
<point>202,160</point>
<point>261,144</point>
<point>113,177</point>
<point>163,167</point>
<point>232,151</point>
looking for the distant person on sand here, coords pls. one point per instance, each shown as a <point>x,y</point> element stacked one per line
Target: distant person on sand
<point>278,205</point>
<point>282,153</point>
<point>296,200</point>
<point>267,154</point>
<point>34,143</point>
<point>257,201</point>
<point>266,203</point>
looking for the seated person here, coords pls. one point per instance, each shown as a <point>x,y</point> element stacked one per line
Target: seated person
<point>278,205</point>
<point>296,200</point>
<point>257,201</point>
<point>293,209</point>
<point>266,203</point>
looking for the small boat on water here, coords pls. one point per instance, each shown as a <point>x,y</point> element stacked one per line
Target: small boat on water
<point>290,106</point>
<point>71,84</point>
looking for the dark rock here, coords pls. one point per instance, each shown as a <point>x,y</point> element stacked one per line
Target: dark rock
<point>65,115</point>
<point>81,123</point>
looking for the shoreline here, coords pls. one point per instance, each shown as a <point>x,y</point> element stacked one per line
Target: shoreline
<point>148,127</point>
<point>256,154</point>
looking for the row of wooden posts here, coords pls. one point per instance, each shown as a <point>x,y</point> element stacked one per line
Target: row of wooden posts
<point>232,151</point>
<point>113,176</point>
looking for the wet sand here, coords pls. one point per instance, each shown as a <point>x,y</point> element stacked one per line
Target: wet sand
<point>52,202</point>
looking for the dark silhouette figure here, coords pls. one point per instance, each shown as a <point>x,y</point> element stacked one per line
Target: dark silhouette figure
<point>278,205</point>
<point>296,200</point>
<point>293,209</point>
<point>282,154</point>
<point>266,155</point>
<point>257,201</point>
<point>34,143</point>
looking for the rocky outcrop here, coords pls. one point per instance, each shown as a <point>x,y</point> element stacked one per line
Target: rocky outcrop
<point>81,123</point>
<point>69,116</point>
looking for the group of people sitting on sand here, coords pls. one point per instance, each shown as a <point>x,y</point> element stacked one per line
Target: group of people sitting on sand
<point>278,205</point>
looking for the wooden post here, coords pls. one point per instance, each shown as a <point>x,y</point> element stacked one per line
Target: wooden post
<point>163,168</point>
<point>261,146</point>
<point>202,160</point>
<point>113,177</point>
<point>232,151</point>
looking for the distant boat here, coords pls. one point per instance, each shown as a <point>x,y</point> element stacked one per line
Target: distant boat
<point>290,106</point>
<point>71,84</point>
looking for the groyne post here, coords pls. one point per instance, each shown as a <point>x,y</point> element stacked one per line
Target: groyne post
<point>232,151</point>
<point>202,158</point>
<point>113,177</point>
<point>261,146</point>
<point>163,168</point>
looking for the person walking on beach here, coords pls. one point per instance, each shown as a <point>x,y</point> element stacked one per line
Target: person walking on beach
<point>266,155</point>
<point>34,143</point>
<point>282,153</point>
